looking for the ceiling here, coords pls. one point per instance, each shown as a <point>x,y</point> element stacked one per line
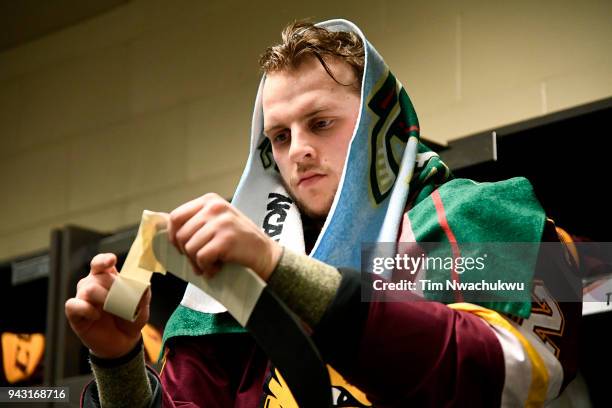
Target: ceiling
<point>25,20</point>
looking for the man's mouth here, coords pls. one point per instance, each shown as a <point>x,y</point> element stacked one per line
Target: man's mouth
<point>309,179</point>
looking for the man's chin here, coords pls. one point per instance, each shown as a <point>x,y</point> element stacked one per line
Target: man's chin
<point>318,213</point>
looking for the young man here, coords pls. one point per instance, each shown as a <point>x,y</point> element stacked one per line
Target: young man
<point>335,161</point>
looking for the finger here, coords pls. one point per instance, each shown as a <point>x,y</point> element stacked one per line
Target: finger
<point>213,207</point>
<point>183,213</point>
<point>104,263</point>
<point>81,314</point>
<point>199,239</point>
<point>185,232</point>
<point>180,215</point>
<point>92,293</point>
<point>103,279</point>
<point>209,258</point>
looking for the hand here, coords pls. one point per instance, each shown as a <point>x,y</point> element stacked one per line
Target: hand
<point>106,335</point>
<point>211,232</point>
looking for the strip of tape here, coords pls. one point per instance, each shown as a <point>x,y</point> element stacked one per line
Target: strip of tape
<point>133,280</point>
<point>234,286</point>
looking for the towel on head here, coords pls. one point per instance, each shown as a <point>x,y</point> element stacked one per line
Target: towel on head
<point>386,189</point>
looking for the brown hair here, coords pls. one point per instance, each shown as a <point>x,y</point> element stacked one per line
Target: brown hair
<point>302,39</point>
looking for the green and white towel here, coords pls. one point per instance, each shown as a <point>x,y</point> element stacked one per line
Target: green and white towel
<point>387,171</point>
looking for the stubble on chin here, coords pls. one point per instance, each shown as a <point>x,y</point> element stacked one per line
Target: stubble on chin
<point>304,210</point>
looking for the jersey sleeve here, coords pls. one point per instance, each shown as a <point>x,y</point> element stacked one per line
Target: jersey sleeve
<point>540,352</point>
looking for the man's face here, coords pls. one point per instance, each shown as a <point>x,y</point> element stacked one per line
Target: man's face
<point>309,119</point>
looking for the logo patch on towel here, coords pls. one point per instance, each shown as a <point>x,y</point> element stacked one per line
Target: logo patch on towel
<point>278,206</point>
<point>266,155</point>
<point>396,122</point>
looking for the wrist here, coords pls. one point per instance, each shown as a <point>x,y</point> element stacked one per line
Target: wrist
<point>114,360</point>
<point>276,251</point>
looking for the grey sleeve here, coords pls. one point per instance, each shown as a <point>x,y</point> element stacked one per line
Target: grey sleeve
<point>306,285</point>
<point>122,382</point>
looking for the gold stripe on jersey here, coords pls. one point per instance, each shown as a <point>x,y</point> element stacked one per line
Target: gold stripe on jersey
<point>539,374</point>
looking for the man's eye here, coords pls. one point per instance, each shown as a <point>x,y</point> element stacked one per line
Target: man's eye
<point>280,138</point>
<point>323,123</point>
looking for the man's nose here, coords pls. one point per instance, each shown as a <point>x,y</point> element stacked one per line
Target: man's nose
<point>302,147</point>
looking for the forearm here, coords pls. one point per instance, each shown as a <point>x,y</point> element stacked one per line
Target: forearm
<point>122,382</point>
<point>305,284</point>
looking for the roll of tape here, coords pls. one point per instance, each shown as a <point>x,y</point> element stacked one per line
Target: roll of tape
<point>133,280</point>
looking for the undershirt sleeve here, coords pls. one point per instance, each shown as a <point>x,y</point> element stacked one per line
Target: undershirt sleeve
<point>306,285</point>
<point>122,381</point>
